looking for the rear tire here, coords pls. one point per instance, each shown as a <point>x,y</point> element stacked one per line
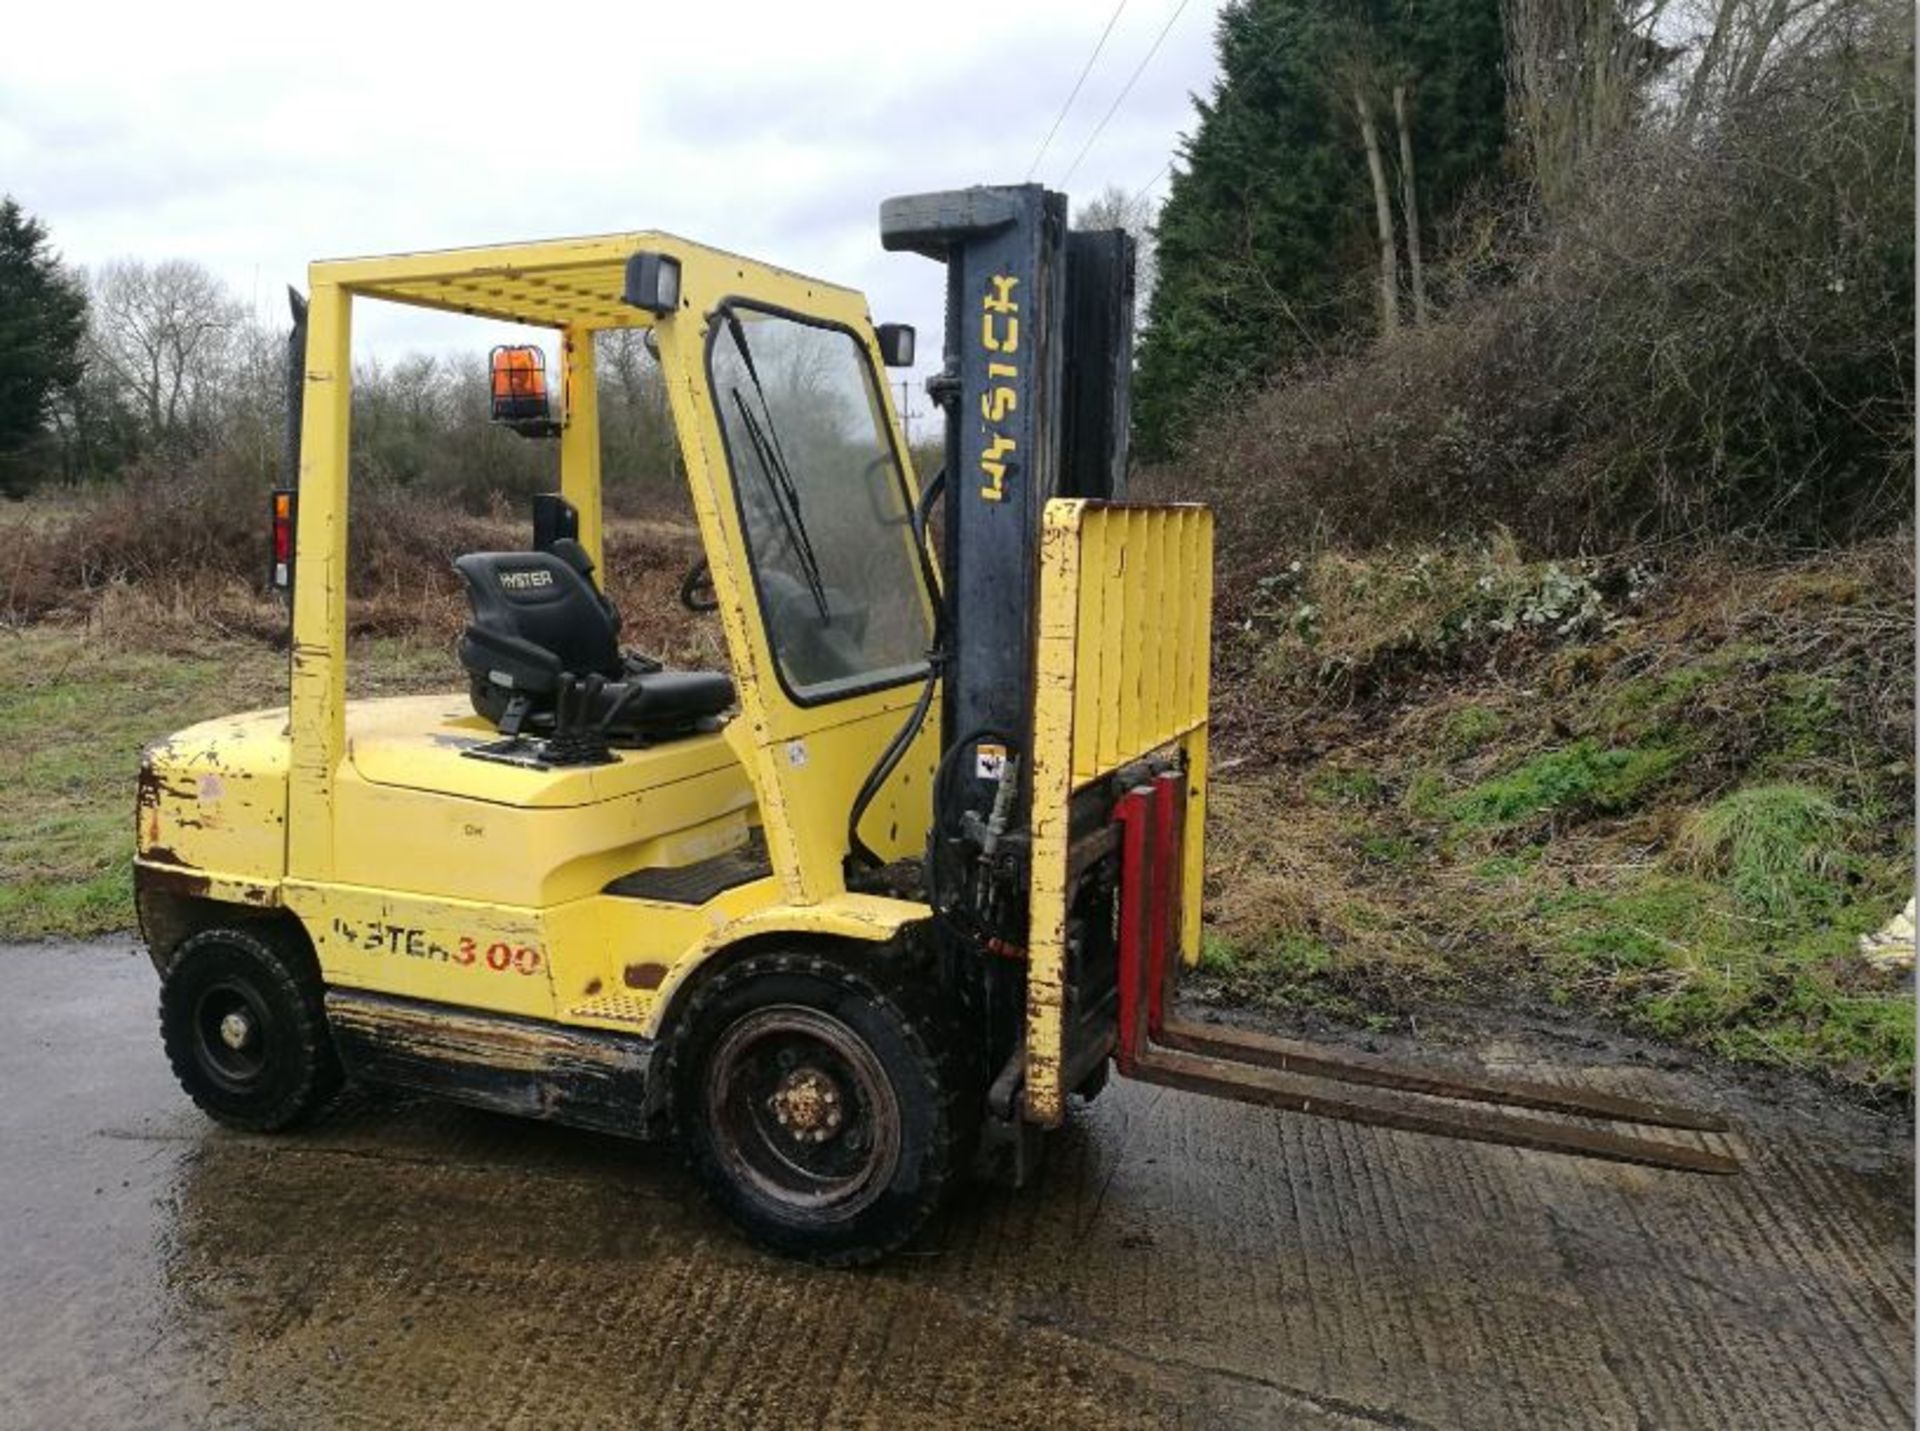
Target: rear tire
<point>245,1028</point>
<point>819,1105</point>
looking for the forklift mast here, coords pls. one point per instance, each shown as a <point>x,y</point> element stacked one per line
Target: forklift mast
<point>1038,354</point>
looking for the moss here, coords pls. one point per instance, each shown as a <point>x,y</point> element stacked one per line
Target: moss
<point>1470,729</point>
<point>1580,778</point>
<point>1426,796</point>
<point>1396,850</point>
<point>1290,971</point>
<point>1336,785</point>
<point>1510,866</point>
<point>1647,705</point>
<point>1801,712</point>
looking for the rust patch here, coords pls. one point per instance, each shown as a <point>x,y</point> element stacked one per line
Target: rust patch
<point>150,785</point>
<point>147,880</point>
<point>593,987</point>
<point>644,976</point>
<point>160,854</point>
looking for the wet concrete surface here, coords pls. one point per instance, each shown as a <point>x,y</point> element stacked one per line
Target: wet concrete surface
<point>1182,1263</point>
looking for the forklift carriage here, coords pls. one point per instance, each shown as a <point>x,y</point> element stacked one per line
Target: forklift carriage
<point>917,868</point>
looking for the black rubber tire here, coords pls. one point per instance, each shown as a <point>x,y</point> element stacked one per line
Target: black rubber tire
<point>905,1032</point>
<point>290,1071</point>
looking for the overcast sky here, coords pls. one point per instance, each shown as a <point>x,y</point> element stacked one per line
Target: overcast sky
<point>252,138</point>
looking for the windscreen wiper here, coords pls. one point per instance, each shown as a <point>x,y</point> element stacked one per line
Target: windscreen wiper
<point>786,494</point>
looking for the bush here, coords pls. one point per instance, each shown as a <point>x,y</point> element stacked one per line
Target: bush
<point>1715,337</point>
<point>194,539</point>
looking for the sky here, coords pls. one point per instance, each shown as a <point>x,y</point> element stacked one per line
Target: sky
<point>257,137</point>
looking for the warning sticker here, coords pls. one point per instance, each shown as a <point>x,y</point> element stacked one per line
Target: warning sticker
<point>989,761</point>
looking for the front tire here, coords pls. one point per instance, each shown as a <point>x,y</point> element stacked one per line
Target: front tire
<point>819,1105</point>
<point>242,1019</point>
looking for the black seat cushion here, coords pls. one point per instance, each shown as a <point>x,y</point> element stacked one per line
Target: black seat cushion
<point>539,622</point>
<point>673,699</point>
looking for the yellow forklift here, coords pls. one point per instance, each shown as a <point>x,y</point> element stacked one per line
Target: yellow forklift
<point>850,918</point>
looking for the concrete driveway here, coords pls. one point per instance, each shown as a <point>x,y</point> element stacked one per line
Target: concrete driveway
<point>1182,1263</point>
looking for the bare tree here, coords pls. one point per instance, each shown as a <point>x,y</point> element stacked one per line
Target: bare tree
<point>636,425</point>
<point>1355,83</point>
<point>1410,204</point>
<point>164,331</point>
<point>1578,75</point>
<point>1382,205</point>
<point>1114,208</point>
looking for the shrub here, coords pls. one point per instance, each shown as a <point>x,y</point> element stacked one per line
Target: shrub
<point>1778,847</point>
<point>1716,335</point>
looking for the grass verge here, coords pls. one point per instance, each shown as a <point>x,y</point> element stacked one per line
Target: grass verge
<point>1675,797</point>
<point>78,706</point>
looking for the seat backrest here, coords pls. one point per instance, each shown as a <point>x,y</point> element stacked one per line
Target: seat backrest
<point>542,598</point>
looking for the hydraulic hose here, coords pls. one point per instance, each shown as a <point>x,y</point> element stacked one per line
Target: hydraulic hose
<point>890,758</point>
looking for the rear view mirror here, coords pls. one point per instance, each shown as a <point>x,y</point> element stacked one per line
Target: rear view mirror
<point>896,344</point>
<point>521,399</point>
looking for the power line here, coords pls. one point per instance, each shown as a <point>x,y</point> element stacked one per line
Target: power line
<point>1074,94</point>
<point>1147,187</point>
<point>1238,94</point>
<point>1125,90</point>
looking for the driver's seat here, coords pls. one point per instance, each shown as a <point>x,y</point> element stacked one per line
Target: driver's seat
<point>540,627</point>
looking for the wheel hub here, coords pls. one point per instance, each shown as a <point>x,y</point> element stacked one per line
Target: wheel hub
<point>236,1030</point>
<point>801,1111</point>
<point>807,1103</point>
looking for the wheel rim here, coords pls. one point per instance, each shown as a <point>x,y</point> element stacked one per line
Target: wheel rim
<point>232,1029</point>
<point>801,1111</point>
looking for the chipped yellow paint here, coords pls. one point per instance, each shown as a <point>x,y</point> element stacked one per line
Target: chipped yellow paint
<point>213,799</point>
<point>1121,672</point>
<point>580,437</point>
<point>318,686</point>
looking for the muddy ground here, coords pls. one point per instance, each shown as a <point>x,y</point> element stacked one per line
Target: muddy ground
<point>1182,1263</point>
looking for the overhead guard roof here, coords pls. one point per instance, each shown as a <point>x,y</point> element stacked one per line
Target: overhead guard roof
<point>554,283</point>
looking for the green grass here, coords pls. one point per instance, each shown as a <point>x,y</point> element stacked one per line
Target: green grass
<point>1580,778</point>
<point>1675,954</point>
<point>75,711</point>
<point>1778,847</point>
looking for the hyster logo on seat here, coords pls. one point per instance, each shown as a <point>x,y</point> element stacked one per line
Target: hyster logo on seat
<point>526,580</point>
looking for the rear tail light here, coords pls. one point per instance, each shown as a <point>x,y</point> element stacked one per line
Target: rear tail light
<point>280,569</point>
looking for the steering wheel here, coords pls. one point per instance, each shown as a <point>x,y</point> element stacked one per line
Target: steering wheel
<point>696,589</point>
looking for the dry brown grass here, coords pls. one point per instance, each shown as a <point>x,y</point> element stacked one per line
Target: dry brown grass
<point>176,566</point>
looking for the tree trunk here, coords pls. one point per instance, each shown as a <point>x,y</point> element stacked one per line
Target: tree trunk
<point>1410,207</point>
<point>1709,63</point>
<point>1382,213</point>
